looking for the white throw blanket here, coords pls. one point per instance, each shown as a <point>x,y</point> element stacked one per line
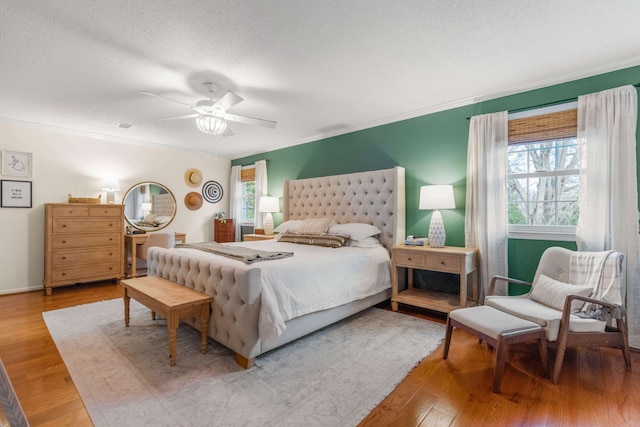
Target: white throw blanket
<point>600,270</point>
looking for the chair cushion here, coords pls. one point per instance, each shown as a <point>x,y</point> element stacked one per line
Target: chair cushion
<point>554,293</point>
<point>545,316</point>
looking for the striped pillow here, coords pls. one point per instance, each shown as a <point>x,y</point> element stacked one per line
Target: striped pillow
<point>326,240</point>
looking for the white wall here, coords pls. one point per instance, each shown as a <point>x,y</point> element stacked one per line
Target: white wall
<point>64,163</point>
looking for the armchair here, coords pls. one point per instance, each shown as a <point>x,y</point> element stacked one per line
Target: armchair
<point>577,298</point>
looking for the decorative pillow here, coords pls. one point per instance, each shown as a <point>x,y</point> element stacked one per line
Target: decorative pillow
<point>356,230</point>
<point>289,226</point>
<point>315,226</point>
<point>553,293</point>
<point>327,240</point>
<point>367,242</point>
<point>149,218</point>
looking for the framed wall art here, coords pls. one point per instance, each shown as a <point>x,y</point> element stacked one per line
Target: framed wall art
<point>15,194</point>
<point>16,163</point>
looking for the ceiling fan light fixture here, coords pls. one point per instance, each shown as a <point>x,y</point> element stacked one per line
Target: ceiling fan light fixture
<point>210,124</point>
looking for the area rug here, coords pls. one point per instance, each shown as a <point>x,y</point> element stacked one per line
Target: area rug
<point>333,377</point>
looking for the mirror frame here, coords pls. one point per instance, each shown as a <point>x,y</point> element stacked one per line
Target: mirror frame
<point>133,222</point>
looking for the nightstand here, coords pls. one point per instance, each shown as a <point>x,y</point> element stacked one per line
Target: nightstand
<point>460,261</point>
<point>253,237</point>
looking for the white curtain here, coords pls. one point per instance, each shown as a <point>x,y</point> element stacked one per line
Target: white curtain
<point>235,198</point>
<point>608,185</point>
<point>261,190</point>
<point>485,222</point>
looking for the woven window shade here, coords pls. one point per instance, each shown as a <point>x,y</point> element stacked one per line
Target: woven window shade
<point>248,175</point>
<point>545,127</point>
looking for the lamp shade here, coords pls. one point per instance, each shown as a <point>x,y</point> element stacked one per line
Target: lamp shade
<point>269,204</point>
<point>437,197</point>
<point>211,124</point>
<point>110,184</point>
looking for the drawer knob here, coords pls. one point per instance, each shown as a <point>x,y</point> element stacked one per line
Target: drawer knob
<point>64,274</point>
<point>64,225</point>
<point>64,257</point>
<point>110,238</point>
<point>64,241</point>
<point>409,259</point>
<point>442,263</point>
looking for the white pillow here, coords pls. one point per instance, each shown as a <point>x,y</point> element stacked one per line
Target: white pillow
<point>291,226</point>
<point>355,230</point>
<point>315,226</point>
<point>367,242</point>
<point>554,294</point>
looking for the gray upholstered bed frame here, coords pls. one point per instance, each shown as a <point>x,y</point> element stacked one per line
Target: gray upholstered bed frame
<point>375,197</point>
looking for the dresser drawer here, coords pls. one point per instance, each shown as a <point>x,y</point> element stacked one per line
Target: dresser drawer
<point>443,263</point>
<point>69,225</point>
<point>69,210</point>
<point>105,211</point>
<point>79,257</point>
<point>87,272</point>
<point>410,259</point>
<point>61,241</point>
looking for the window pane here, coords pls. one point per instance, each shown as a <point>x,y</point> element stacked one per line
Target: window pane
<point>542,213</point>
<point>542,157</point>
<point>567,213</point>
<point>518,213</point>
<point>568,187</point>
<point>517,158</point>
<point>567,154</point>
<point>517,190</point>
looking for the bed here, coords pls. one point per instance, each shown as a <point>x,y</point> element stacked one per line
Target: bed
<point>243,315</point>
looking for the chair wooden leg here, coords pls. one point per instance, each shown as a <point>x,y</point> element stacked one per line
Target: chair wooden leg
<point>622,326</point>
<point>542,347</point>
<point>447,339</point>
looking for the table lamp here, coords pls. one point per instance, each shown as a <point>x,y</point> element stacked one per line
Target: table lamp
<point>268,205</point>
<point>110,185</point>
<point>437,197</point>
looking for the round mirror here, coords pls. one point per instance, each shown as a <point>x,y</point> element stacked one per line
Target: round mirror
<point>149,206</point>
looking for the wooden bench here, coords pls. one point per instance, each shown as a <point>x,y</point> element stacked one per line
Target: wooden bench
<point>499,330</point>
<point>173,302</point>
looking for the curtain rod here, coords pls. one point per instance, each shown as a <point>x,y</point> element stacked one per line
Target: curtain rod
<point>548,104</point>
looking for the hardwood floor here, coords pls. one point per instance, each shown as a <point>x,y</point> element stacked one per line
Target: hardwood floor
<point>594,388</point>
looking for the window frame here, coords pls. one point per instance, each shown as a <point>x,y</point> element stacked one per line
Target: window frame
<point>539,232</point>
<point>248,174</point>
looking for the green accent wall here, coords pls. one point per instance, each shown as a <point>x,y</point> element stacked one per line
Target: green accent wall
<point>433,150</point>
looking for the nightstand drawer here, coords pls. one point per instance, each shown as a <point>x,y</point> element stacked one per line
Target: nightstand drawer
<point>443,263</point>
<point>410,259</point>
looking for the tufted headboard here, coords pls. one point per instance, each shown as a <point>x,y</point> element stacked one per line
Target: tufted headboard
<point>375,197</point>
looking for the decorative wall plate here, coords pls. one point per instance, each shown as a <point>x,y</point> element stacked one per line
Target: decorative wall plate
<point>212,191</point>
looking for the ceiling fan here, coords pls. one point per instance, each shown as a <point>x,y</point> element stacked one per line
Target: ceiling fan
<point>212,116</point>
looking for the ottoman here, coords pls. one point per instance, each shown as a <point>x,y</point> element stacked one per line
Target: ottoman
<point>499,330</point>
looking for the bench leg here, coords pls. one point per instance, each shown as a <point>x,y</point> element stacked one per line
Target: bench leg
<point>172,325</point>
<point>500,360</point>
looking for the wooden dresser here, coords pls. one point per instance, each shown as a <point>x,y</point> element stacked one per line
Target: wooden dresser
<point>83,243</point>
<point>224,231</point>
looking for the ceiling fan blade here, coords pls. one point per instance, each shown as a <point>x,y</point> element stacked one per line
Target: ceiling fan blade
<point>251,121</point>
<point>227,101</point>
<point>227,132</point>
<point>186,116</point>
<point>166,99</point>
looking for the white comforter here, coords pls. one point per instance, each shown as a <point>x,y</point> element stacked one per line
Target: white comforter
<point>314,279</point>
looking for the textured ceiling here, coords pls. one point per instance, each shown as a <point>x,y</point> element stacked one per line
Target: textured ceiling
<point>317,67</point>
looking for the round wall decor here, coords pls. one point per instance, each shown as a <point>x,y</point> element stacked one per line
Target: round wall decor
<point>193,201</point>
<point>212,192</point>
<point>193,177</point>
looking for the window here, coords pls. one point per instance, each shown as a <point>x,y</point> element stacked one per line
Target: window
<point>543,176</point>
<point>248,179</point>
